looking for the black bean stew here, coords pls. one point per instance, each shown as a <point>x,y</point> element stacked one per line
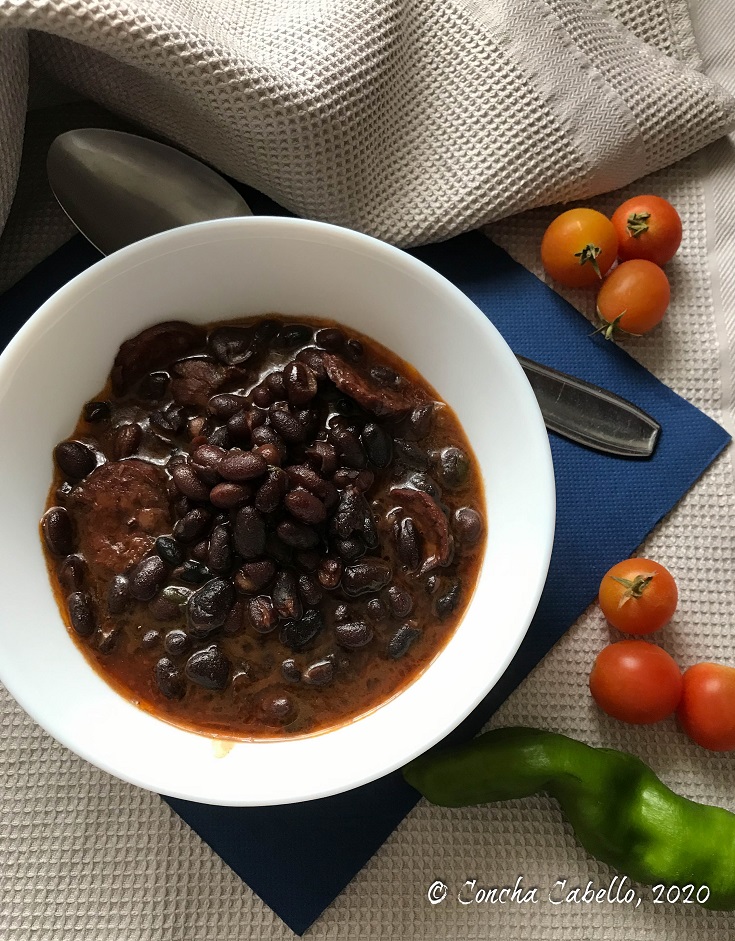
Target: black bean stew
<point>263,528</point>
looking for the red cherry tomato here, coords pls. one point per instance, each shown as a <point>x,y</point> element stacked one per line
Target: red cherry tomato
<point>636,682</point>
<point>647,227</point>
<point>707,708</point>
<point>579,248</point>
<point>633,298</point>
<point>638,596</point>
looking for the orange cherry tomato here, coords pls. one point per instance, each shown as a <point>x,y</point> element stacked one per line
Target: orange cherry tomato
<point>579,248</point>
<point>633,298</point>
<point>707,708</point>
<point>636,682</point>
<point>638,596</point>
<point>647,227</point>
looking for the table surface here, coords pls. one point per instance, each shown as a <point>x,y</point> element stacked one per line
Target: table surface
<point>86,856</point>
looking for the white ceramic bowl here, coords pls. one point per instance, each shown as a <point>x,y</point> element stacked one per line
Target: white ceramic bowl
<point>238,267</point>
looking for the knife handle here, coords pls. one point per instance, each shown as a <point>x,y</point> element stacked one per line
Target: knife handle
<point>589,415</point>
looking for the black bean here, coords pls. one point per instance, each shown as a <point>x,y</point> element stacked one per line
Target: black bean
<point>125,441</point>
<point>385,376</point>
<point>147,578</point>
<point>401,640</point>
<point>271,453</point>
<point>447,603</point>
<point>262,396</point>
<point>169,679</point>
<point>242,465</point>
<point>300,383</point>
<point>309,590</point>
<point>291,336</point>
<point>297,535</point>
<point>323,455</point>
<point>192,572</point>
<point>150,639</point>
<point>314,359</point>
<point>154,385</point>
<point>378,444</point>
<point>408,543</point>
<point>118,594</point>
<point>376,609</point>
<point>349,448</point>
<point>72,573</point>
<point>468,525</point>
<point>350,513</point>
<point>417,424</point>
<point>289,671</point>
<point>209,668</point>
<point>262,434</point>
<point>287,425</point>
<point>364,577</point>
<point>188,482</point>
<point>350,549</point>
<point>235,622</point>
<point>208,607</point>
<point>400,601</point>
<point>342,614</point>
<point>305,507</point>
<point>320,673</point>
<point>353,634</point>
<point>75,460</point>
<point>175,642</point>
<point>169,550</point>
<point>301,475</point>
<point>331,339</point>
<point>163,610</point>
<point>220,557</point>
<point>225,405</point>
<point>170,420</point>
<point>454,465</point>
<point>254,576</point>
<point>96,412</point>
<point>207,475</point>
<point>220,437</point>
<point>276,708</point>
<point>249,532</point>
<point>227,496</point>
<point>296,635</point>
<point>422,481</point>
<point>354,350</point>
<point>329,573</point>
<point>272,491</point>
<point>361,480</point>
<point>286,596</point>
<point>81,613</point>
<point>200,551</point>
<point>208,455</point>
<point>232,345</point>
<point>262,614</point>
<point>410,454</point>
<point>175,594</point>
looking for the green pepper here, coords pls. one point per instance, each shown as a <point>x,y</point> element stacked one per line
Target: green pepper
<point>620,811</point>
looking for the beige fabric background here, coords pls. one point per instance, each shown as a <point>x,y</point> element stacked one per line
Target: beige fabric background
<point>83,856</point>
<point>409,119</point>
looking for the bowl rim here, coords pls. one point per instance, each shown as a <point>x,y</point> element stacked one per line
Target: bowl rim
<point>188,237</point>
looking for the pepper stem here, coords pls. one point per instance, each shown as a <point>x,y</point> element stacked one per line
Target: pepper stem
<point>589,254</point>
<point>637,223</point>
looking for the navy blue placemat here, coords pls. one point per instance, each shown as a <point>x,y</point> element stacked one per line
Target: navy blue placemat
<point>299,857</point>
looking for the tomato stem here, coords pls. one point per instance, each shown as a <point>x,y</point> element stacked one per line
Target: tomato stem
<point>635,587</point>
<point>638,223</point>
<point>589,254</point>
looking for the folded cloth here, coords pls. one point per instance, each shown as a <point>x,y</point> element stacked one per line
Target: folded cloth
<point>412,120</point>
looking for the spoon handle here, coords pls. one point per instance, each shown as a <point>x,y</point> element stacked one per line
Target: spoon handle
<point>589,415</point>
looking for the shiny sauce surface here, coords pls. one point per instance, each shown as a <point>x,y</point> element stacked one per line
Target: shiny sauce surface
<point>263,528</point>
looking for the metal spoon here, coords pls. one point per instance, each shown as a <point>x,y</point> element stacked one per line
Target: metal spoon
<point>118,188</point>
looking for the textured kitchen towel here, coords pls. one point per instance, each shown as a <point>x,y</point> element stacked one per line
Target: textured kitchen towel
<point>412,120</point>
<point>299,857</point>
